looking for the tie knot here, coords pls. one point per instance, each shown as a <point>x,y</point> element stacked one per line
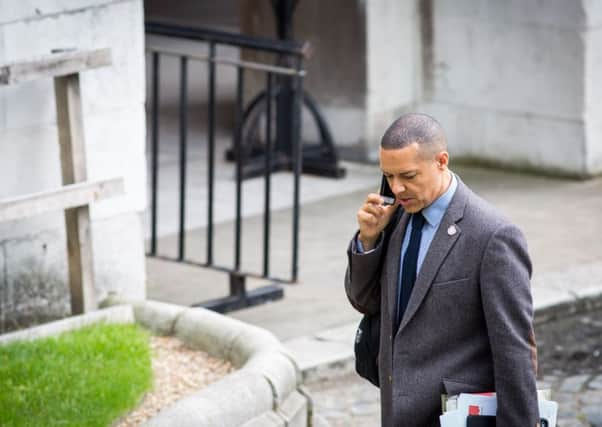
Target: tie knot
<point>417,221</point>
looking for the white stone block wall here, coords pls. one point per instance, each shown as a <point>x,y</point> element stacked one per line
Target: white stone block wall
<point>114,120</point>
<point>514,83</point>
<point>593,86</point>
<point>393,64</point>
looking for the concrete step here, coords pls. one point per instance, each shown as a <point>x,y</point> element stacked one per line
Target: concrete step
<point>325,351</point>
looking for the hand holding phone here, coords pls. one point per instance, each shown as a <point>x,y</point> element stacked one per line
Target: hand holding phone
<point>375,214</point>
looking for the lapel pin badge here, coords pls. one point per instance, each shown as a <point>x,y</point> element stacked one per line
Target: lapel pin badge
<point>452,230</point>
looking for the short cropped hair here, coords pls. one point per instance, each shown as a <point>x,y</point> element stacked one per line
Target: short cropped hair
<point>418,128</point>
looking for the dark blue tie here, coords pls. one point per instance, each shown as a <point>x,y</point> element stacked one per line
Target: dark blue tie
<point>410,262</point>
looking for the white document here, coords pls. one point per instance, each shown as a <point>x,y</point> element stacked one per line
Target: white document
<point>548,411</point>
<point>486,404</point>
<point>477,404</point>
<point>453,418</point>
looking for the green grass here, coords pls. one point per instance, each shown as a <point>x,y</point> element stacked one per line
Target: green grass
<point>87,377</point>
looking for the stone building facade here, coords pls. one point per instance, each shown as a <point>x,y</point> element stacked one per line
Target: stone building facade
<point>33,266</point>
<point>513,82</point>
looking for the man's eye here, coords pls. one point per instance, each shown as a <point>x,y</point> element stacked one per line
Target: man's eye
<point>410,177</point>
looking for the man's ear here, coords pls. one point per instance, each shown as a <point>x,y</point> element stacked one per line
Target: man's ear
<point>442,159</point>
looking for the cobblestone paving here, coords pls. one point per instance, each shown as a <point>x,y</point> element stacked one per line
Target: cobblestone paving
<point>570,364</point>
<point>345,400</point>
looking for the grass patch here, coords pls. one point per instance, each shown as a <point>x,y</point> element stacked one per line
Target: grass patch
<point>87,377</point>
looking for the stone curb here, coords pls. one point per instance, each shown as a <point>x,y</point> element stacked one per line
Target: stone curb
<point>567,308</point>
<point>118,314</point>
<point>265,390</point>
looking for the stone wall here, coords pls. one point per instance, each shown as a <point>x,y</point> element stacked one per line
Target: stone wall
<point>33,252</point>
<point>394,65</point>
<point>508,82</point>
<point>593,88</point>
<point>513,82</point>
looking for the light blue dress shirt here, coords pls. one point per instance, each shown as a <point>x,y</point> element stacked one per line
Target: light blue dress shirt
<point>433,214</point>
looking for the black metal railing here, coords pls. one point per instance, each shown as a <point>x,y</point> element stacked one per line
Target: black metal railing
<point>239,295</point>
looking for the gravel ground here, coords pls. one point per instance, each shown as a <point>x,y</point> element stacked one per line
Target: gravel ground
<point>572,345</point>
<point>178,371</point>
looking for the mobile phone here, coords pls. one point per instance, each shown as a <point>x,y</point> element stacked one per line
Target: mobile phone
<point>386,192</point>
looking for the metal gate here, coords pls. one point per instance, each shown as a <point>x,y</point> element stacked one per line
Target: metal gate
<point>276,78</point>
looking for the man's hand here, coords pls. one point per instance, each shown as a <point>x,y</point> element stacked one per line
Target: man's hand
<point>372,218</point>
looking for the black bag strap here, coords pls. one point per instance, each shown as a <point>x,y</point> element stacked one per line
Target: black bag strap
<point>388,231</point>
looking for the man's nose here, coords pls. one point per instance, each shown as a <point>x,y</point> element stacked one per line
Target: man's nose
<point>397,187</point>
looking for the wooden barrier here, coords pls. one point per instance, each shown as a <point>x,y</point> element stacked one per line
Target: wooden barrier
<point>77,193</point>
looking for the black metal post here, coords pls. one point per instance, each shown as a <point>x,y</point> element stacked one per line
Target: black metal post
<point>284,115</point>
<point>297,147</point>
<point>268,174</point>
<point>238,286</point>
<point>211,153</point>
<point>239,161</point>
<point>284,11</point>
<point>183,152</point>
<point>154,150</point>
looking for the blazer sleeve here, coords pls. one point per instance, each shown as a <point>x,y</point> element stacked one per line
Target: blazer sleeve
<point>508,308</point>
<point>362,279</point>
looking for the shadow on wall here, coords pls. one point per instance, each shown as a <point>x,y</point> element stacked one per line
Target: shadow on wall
<point>32,295</point>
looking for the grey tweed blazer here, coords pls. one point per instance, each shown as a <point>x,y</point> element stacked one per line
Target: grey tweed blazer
<point>468,326</point>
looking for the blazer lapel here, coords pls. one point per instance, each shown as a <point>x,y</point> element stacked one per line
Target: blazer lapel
<point>440,246</point>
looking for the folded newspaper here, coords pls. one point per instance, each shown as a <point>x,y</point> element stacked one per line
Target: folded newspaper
<point>457,408</point>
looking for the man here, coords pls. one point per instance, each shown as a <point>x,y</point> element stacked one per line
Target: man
<point>452,287</point>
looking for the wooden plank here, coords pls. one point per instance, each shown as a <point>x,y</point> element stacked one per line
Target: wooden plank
<point>80,260</point>
<point>54,65</point>
<point>70,125</point>
<point>73,168</point>
<point>69,196</point>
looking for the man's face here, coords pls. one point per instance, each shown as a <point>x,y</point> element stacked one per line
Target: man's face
<point>417,180</point>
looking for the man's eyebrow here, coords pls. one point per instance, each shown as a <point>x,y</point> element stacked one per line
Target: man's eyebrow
<point>410,172</point>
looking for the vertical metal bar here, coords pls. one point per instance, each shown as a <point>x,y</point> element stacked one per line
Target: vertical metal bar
<point>297,163</point>
<point>211,153</point>
<point>268,174</point>
<point>239,160</point>
<point>154,150</point>
<point>183,143</point>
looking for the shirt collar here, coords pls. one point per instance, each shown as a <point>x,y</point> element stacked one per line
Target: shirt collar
<point>435,211</point>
